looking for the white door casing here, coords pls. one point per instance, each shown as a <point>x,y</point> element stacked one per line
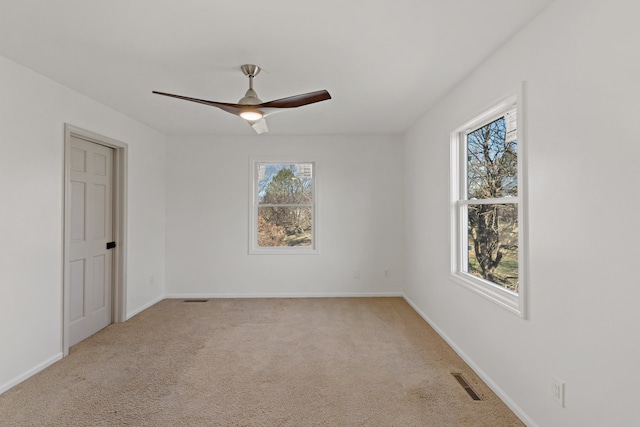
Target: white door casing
<point>91,228</point>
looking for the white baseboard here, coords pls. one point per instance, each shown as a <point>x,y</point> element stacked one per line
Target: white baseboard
<point>294,295</point>
<point>144,307</point>
<point>483,375</point>
<point>17,380</point>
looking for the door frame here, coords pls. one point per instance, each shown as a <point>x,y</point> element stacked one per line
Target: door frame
<point>119,263</point>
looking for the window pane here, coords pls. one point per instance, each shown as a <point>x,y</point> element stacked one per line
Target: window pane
<point>284,183</point>
<point>284,226</point>
<point>493,243</point>
<point>492,160</point>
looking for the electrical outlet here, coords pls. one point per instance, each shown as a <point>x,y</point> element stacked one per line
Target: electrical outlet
<point>386,273</point>
<point>557,390</point>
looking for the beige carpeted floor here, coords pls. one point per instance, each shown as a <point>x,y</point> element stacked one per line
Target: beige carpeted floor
<point>259,362</point>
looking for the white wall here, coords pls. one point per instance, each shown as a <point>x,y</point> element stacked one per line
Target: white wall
<point>33,111</point>
<point>581,64</point>
<point>359,213</point>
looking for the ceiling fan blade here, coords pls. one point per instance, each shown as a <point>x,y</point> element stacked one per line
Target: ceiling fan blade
<point>260,126</point>
<point>297,100</point>
<point>229,108</point>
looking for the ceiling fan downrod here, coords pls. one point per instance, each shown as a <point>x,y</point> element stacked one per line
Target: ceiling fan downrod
<point>250,97</point>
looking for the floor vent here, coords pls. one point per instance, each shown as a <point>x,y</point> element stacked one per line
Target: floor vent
<point>196,300</point>
<point>466,386</point>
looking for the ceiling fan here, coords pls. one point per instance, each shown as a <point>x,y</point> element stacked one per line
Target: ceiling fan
<point>251,108</point>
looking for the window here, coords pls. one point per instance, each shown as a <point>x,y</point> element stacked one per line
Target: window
<point>487,205</point>
<point>283,207</point>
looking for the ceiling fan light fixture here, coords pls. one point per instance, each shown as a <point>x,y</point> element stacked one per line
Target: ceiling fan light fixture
<point>251,108</point>
<point>251,115</point>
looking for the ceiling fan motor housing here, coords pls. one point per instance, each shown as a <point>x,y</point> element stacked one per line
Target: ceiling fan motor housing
<point>250,98</point>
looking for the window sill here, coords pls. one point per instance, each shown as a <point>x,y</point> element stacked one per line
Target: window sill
<point>283,251</point>
<point>509,300</point>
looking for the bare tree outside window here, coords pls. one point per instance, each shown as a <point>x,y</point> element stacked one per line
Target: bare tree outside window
<point>492,173</point>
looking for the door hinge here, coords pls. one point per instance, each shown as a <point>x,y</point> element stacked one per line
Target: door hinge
<point>111,245</point>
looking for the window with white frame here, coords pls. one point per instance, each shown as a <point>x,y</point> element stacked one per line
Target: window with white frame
<point>283,207</point>
<point>487,205</point>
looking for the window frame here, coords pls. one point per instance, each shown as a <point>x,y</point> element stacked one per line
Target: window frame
<point>253,208</point>
<point>515,302</point>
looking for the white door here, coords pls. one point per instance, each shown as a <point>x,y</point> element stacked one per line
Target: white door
<point>89,263</point>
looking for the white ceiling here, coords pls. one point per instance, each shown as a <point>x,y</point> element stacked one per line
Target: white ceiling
<point>385,62</point>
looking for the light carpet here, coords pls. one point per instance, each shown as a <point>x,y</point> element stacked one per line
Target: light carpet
<point>259,362</point>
